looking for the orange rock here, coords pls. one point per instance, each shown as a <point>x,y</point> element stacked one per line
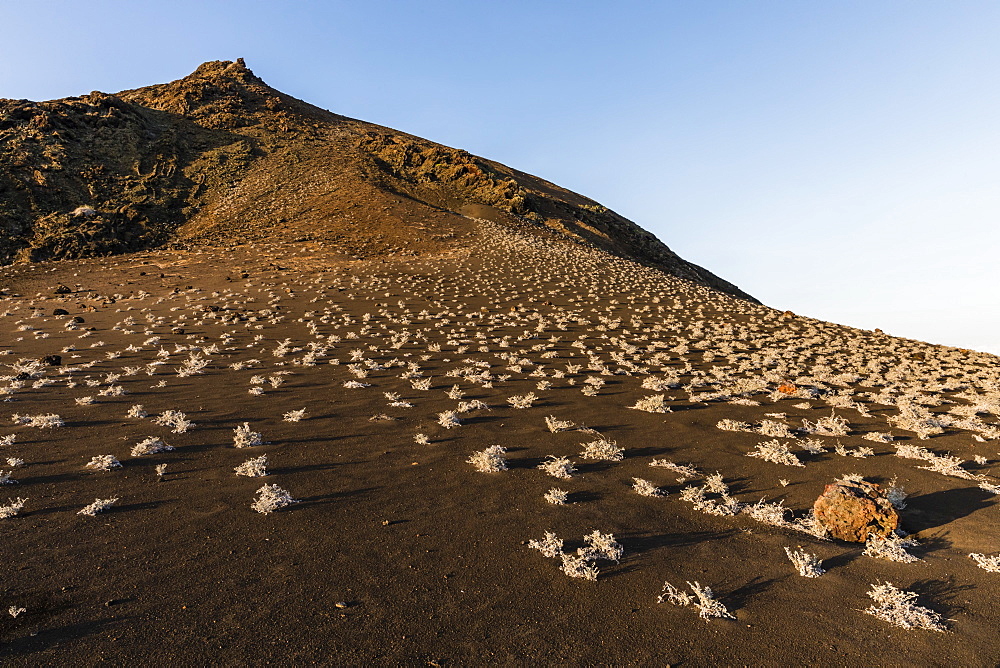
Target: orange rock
<point>852,511</point>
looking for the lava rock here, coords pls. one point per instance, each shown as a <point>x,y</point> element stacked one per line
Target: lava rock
<point>852,511</point>
<point>60,311</point>
<point>52,360</point>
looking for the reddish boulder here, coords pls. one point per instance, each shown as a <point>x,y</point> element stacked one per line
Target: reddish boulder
<point>852,511</point>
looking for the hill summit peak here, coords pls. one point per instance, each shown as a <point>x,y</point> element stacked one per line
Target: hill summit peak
<point>235,71</point>
<point>234,68</point>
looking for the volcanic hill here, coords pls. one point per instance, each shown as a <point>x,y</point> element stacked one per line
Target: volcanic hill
<point>219,156</point>
<point>285,388</point>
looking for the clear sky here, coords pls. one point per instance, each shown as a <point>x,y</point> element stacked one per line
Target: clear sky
<point>839,159</point>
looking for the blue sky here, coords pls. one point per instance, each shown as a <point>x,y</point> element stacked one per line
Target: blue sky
<point>839,159</point>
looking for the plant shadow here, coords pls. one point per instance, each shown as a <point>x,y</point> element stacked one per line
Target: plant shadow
<point>941,593</point>
<point>324,466</point>
<point>933,543</point>
<point>41,641</point>
<point>321,499</point>
<point>649,451</point>
<point>146,505</point>
<point>645,541</point>
<point>740,596</point>
<point>583,497</point>
<point>598,466</point>
<point>55,477</point>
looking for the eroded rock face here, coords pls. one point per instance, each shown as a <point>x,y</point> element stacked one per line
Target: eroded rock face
<point>852,511</point>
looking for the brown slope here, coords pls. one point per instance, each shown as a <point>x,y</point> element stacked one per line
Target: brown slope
<point>400,553</point>
<point>219,156</point>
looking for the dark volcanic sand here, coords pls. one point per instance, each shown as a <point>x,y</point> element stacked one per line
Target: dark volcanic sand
<point>402,554</point>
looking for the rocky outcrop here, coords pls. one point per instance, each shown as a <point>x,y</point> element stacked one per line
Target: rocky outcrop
<point>457,174</point>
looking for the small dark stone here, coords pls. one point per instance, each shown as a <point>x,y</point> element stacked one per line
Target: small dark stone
<point>52,360</point>
<point>78,320</point>
<point>63,290</point>
<point>60,311</point>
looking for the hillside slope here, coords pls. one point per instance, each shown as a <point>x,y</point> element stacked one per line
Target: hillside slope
<point>375,386</point>
<point>221,157</point>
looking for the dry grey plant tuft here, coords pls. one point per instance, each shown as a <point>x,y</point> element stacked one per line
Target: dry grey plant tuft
<point>150,446</point>
<point>558,467</point>
<point>12,508</point>
<point>556,496</point>
<point>897,607</point>
<point>603,448</point>
<point>98,506</point>
<point>244,437</point>
<point>556,425</point>
<point>103,463</point>
<point>703,600</point>
<point>253,468</point>
<point>271,498</point>
<point>644,487</point>
<point>990,563</point>
<point>652,404</point>
<point>449,420</point>
<point>808,565</point>
<point>890,548</point>
<point>175,419</point>
<point>550,546</point>
<point>776,452</point>
<point>598,546</point>
<point>490,460</point>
